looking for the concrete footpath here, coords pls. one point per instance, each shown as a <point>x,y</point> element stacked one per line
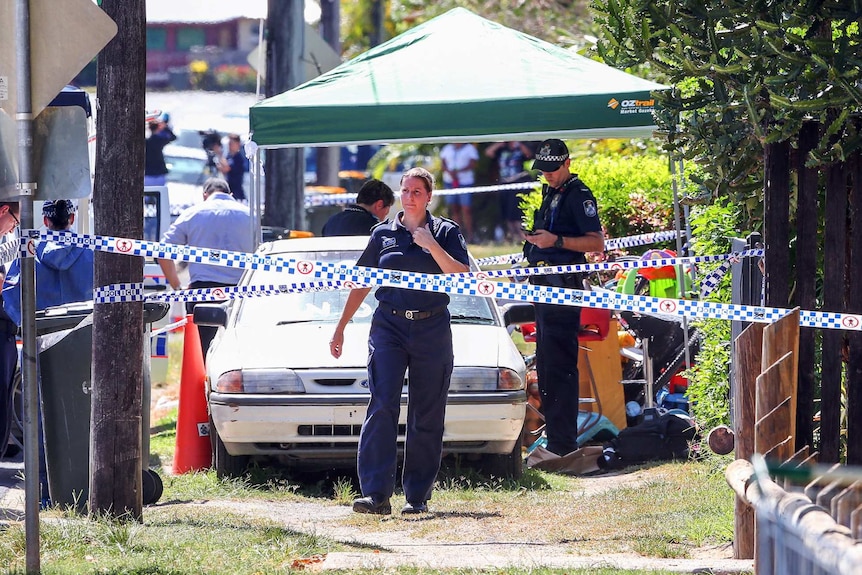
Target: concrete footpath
<point>12,488</point>
<point>405,547</point>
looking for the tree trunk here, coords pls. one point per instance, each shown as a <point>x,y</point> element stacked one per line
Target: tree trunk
<point>776,197</point>
<point>835,257</point>
<point>115,427</point>
<point>805,296</point>
<point>285,168</point>
<point>854,305</point>
<point>329,159</point>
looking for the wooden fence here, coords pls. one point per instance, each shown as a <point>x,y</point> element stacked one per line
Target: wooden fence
<point>792,528</point>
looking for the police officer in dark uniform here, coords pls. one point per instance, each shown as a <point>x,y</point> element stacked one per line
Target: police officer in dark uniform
<point>564,228</point>
<point>410,329</point>
<point>8,328</point>
<point>372,206</point>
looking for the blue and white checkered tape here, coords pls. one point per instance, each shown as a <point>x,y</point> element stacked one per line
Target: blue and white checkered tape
<point>610,244</point>
<point>118,293</point>
<point>326,275</point>
<point>313,200</point>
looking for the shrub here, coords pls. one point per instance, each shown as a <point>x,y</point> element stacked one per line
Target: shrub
<point>234,77</point>
<point>709,379</point>
<point>633,192</point>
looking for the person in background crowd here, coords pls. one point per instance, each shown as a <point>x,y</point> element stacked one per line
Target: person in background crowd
<point>64,274</point>
<point>234,167</point>
<point>8,330</point>
<point>219,222</point>
<point>509,158</point>
<point>409,331</point>
<point>372,207</point>
<point>564,228</point>
<point>459,165</point>
<point>155,169</point>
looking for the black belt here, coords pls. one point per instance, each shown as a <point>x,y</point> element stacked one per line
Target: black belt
<point>414,314</point>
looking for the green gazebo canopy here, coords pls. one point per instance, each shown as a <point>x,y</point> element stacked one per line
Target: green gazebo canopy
<point>458,77</point>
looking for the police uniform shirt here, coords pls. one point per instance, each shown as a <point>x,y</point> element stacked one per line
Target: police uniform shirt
<point>569,212</point>
<point>353,221</point>
<point>391,247</point>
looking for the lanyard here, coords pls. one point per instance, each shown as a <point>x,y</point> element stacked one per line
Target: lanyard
<point>556,200</point>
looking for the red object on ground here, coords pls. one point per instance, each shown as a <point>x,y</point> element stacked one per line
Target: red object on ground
<point>678,383</point>
<point>193,448</point>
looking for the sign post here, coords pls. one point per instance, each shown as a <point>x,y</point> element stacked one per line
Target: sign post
<point>43,45</point>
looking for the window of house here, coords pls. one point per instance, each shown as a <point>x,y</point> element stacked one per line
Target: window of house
<point>188,37</point>
<point>157,38</point>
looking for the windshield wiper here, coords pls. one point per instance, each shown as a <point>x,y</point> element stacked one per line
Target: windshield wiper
<point>291,321</point>
<point>461,318</point>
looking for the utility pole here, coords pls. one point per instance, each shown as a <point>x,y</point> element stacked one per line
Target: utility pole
<point>285,167</point>
<point>115,425</point>
<point>377,13</point>
<point>329,159</point>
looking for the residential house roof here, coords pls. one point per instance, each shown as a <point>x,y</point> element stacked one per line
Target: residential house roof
<point>209,12</point>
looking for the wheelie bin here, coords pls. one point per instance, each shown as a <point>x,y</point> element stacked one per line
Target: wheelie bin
<point>65,341</point>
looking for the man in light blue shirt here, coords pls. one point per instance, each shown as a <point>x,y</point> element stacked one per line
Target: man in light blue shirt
<point>219,222</point>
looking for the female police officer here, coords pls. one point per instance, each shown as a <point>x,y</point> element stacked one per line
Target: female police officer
<point>410,329</point>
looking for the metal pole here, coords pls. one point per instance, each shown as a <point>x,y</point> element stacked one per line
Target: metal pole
<point>254,201</point>
<point>29,378</point>
<point>680,272</point>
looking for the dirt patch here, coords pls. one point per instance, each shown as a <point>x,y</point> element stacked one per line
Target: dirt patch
<point>462,539</point>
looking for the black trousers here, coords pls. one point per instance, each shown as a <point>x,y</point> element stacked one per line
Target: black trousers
<point>206,333</point>
<point>557,329</point>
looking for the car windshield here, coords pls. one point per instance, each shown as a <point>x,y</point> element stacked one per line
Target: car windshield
<point>188,139</point>
<point>326,306</point>
<point>186,170</point>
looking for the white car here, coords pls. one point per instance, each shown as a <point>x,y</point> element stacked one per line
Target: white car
<point>188,169</point>
<point>273,388</point>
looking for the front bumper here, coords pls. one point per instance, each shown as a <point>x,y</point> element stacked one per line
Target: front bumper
<point>328,426</point>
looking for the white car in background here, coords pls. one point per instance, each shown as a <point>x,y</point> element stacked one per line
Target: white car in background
<point>188,169</point>
<point>274,390</point>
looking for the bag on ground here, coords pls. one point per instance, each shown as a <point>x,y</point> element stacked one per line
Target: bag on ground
<point>664,438</point>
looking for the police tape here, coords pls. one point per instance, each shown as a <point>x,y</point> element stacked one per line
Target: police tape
<point>610,244</point>
<point>614,266</point>
<point>327,276</point>
<point>316,200</point>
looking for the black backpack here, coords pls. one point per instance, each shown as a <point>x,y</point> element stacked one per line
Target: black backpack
<point>665,437</point>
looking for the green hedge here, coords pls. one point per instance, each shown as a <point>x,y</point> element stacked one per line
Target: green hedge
<point>633,192</point>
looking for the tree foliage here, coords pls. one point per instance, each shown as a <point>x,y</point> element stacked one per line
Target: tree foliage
<point>743,74</point>
<point>561,22</point>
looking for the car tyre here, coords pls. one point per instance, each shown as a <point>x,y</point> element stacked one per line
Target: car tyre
<point>506,465</point>
<point>227,466</point>
<point>151,487</point>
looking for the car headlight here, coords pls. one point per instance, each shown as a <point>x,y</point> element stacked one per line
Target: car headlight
<point>259,381</point>
<point>484,379</point>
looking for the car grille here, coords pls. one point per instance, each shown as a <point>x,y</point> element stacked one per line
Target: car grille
<point>337,430</point>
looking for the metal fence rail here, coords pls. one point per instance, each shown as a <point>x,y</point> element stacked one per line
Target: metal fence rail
<point>796,533</point>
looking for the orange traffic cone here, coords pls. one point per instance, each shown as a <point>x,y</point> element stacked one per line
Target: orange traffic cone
<point>193,451</point>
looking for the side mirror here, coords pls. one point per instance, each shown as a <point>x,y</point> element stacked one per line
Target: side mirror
<point>155,310</point>
<point>210,315</point>
<point>518,313</point>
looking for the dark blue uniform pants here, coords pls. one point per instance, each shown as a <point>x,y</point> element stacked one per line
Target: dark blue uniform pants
<point>557,369</point>
<point>8,363</point>
<point>425,347</point>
